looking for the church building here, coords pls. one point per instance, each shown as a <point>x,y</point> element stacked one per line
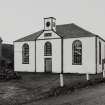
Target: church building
<point>65,48</point>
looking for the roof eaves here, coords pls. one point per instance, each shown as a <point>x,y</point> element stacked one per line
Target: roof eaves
<point>100,38</point>
<point>77,37</point>
<point>22,39</point>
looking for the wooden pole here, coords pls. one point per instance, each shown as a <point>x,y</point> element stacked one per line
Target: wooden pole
<point>61,80</point>
<point>103,70</point>
<point>103,74</point>
<point>87,76</point>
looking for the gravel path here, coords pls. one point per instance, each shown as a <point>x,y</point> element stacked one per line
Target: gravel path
<point>94,95</point>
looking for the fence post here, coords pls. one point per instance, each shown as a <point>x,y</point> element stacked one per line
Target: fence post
<point>61,80</point>
<point>87,76</point>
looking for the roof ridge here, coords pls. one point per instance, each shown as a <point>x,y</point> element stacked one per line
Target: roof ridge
<point>70,30</point>
<point>66,24</point>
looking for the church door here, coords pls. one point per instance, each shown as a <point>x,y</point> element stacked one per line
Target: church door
<point>48,65</point>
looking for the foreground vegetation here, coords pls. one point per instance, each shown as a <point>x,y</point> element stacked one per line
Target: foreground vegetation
<point>32,87</point>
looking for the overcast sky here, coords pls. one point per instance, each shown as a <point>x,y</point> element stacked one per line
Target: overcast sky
<point>19,18</point>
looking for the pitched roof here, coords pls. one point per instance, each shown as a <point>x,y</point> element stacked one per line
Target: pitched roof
<point>31,37</point>
<point>65,31</point>
<point>72,31</point>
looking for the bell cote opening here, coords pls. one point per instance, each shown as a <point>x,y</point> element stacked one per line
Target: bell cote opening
<point>50,23</point>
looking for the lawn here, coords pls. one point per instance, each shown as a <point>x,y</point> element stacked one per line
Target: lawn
<point>34,87</point>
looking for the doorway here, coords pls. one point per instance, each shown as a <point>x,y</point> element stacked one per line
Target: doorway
<point>48,65</point>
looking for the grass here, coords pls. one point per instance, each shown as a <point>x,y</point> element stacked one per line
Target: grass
<point>32,87</point>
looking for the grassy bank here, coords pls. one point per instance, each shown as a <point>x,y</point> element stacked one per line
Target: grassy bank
<point>32,87</point>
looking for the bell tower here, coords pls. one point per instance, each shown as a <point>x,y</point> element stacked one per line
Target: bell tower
<point>49,23</point>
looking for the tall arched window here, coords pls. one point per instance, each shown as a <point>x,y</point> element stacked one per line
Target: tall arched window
<point>77,52</point>
<point>47,49</point>
<point>25,54</point>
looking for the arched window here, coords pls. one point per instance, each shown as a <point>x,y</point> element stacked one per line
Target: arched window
<point>25,54</point>
<point>47,49</point>
<point>77,52</point>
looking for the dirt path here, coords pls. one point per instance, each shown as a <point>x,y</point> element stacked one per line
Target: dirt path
<point>88,96</point>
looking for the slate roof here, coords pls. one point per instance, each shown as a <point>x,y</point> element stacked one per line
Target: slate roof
<point>65,31</point>
<point>31,37</point>
<point>72,31</point>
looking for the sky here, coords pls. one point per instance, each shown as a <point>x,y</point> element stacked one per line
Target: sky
<point>19,18</point>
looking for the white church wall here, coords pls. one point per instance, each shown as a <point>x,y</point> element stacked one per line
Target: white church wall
<point>18,66</point>
<point>99,66</point>
<point>56,55</point>
<point>88,56</point>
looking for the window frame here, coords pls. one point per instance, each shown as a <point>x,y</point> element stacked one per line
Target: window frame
<point>25,53</point>
<point>48,49</point>
<point>76,58</point>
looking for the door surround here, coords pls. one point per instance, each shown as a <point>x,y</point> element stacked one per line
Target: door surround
<point>48,65</point>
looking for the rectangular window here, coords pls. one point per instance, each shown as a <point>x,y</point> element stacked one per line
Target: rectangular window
<point>47,34</point>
